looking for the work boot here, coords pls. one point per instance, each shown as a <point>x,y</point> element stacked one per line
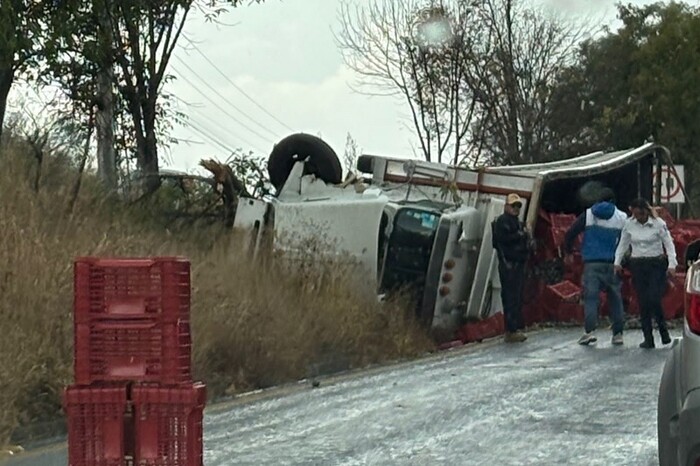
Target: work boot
<point>648,343</point>
<point>617,339</point>
<point>587,338</point>
<point>514,337</point>
<point>665,337</point>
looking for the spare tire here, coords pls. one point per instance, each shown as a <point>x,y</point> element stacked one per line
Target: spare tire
<point>591,192</point>
<point>322,160</point>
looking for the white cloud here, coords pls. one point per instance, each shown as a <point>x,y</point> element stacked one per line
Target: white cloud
<point>283,54</point>
<point>330,108</point>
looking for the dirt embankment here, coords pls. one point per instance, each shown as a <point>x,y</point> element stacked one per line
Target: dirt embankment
<point>254,325</point>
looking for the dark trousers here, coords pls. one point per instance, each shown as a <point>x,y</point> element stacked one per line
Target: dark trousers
<point>649,280</point>
<point>512,278</point>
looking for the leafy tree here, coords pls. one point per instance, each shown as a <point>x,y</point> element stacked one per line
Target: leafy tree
<point>113,55</point>
<point>20,41</point>
<point>635,84</point>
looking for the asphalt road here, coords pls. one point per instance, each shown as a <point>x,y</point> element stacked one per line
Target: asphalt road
<point>546,402</point>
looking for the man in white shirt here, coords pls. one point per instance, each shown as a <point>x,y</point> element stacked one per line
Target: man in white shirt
<point>649,237</point>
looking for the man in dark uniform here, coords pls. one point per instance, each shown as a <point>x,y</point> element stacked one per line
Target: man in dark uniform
<point>512,244</point>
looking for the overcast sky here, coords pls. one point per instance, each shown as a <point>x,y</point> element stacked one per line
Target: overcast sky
<point>282,54</point>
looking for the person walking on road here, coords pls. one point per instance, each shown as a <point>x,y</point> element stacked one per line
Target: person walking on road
<point>648,236</point>
<point>601,225</point>
<point>511,242</point>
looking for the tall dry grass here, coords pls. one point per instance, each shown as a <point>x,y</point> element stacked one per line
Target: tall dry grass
<point>254,325</point>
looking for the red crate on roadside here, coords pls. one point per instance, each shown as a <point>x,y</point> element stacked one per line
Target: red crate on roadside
<point>168,425</point>
<point>533,314</point>
<point>128,288</point>
<point>567,312</point>
<point>139,350</point>
<point>561,301</point>
<point>96,425</point>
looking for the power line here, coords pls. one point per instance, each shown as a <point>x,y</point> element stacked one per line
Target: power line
<point>194,46</point>
<point>197,129</point>
<point>216,104</point>
<point>216,123</point>
<point>263,127</point>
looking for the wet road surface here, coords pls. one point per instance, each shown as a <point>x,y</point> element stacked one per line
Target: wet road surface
<point>548,401</point>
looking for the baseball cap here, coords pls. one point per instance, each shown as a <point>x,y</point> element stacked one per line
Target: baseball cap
<point>514,199</point>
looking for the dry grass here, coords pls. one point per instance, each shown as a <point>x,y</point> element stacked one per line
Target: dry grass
<point>253,325</point>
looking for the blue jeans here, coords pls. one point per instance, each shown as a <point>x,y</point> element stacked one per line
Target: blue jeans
<point>597,277</point>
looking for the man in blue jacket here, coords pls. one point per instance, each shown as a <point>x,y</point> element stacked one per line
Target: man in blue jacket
<point>601,226</point>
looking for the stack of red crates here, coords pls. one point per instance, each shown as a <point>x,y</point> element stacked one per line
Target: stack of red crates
<point>562,303</point>
<point>133,401</point>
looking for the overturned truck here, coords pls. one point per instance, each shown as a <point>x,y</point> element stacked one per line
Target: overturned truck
<point>426,227</point>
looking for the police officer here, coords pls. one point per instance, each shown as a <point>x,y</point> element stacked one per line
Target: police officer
<point>652,260</point>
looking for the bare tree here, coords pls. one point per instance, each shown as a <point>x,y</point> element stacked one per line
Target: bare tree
<point>352,152</point>
<point>515,78</point>
<point>418,50</point>
<point>477,74</point>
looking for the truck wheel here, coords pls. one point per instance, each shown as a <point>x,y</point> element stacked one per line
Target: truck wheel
<point>591,192</point>
<point>322,160</point>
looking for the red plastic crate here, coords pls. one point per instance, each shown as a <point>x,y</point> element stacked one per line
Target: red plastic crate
<point>131,288</point>
<point>563,291</point>
<point>631,305</point>
<point>559,224</point>
<point>558,299</point>
<point>480,330</point>
<point>567,312</point>
<point>533,314</point>
<point>132,351</point>
<point>168,425</point>
<point>666,216</point>
<point>573,269</point>
<point>96,425</point>
<point>562,221</point>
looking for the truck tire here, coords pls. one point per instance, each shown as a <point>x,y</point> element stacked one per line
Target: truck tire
<point>591,192</point>
<point>322,160</point>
